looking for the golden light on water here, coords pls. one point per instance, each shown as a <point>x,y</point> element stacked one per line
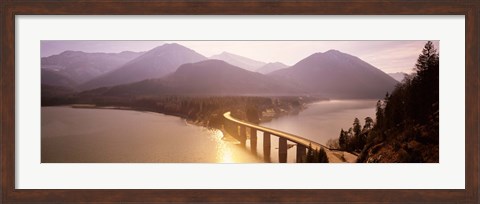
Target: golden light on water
<point>224,152</point>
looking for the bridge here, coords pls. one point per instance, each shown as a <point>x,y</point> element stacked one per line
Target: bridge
<point>238,129</point>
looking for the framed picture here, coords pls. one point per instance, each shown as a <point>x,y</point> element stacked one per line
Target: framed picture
<point>258,101</point>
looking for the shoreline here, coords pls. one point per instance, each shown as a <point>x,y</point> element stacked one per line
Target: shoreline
<point>332,154</point>
<point>264,115</point>
<point>93,106</point>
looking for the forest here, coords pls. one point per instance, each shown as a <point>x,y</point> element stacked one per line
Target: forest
<point>406,127</point>
<point>206,111</point>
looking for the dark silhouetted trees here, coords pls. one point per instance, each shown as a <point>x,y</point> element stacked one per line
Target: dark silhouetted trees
<point>253,114</point>
<point>406,128</point>
<point>322,156</point>
<point>342,140</point>
<point>368,124</point>
<point>356,137</point>
<point>316,155</point>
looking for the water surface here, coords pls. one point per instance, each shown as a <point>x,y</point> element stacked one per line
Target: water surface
<point>121,136</point>
<point>320,122</point>
<point>323,120</point>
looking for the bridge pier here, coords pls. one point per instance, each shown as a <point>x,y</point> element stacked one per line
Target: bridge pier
<point>282,150</point>
<point>266,146</point>
<point>231,128</point>
<point>253,140</point>
<point>301,152</point>
<point>243,135</point>
<point>238,129</point>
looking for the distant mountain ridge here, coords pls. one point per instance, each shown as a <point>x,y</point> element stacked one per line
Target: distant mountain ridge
<point>174,69</point>
<point>399,76</point>
<point>338,75</point>
<point>210,77</point>
<point>56,78</point>
<point>79,67</point>
<point>239,61</point>
<point>155,63</point>
<point>271,67</point>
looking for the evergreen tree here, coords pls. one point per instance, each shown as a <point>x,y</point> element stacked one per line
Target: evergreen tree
<point>427,61</point>
<point>357,128</point>
<point>322,156</point>
<point>379,114</point>
<point>310,154</point>
<point>368,124</point>
<point>426,84</point>
<point>252,113</point>
<point>342,140</point>
<point>349,140</point>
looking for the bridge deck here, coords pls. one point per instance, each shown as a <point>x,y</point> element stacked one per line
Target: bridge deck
<point>291,137</point>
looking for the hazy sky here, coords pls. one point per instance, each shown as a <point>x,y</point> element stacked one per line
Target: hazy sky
<point>389,56</point>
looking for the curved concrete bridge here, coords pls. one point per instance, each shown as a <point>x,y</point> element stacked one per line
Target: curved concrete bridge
<point>238,129</point>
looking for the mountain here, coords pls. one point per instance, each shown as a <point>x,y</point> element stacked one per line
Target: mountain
<point>210,77</point>
<point>81,66</point>
<point>338,75</point>
<point>399,76</point>
<point>56,78</point>
<point>155,63</point>
<point>239,61</point>
<point>271,67</point>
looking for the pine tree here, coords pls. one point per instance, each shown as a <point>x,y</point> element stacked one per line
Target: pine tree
<point>322,156</point>
<point>357,130</point>
<point>426,84</point>
<point>342,140</point>
<point>310,154</point>
<point>379,114</point>
<point>368,124</point>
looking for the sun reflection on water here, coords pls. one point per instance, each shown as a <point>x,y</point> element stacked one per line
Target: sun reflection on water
<point>228,149</point>
<point>224,152</point>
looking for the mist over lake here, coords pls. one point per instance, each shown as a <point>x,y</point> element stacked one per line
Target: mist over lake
<point>323,120</point>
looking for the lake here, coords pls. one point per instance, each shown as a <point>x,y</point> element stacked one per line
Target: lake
<point>321,121</point>
<point>121,136</point>
<point>79,135</point>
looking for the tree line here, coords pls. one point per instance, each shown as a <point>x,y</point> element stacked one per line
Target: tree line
<point>406,126</point>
